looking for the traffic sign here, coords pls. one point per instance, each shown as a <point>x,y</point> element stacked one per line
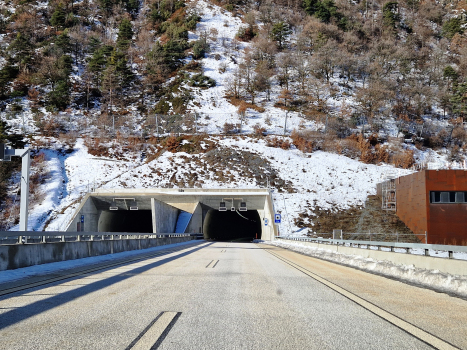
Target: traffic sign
<point>82,218</point>
<point>277,218</point>
<point>266,221</point>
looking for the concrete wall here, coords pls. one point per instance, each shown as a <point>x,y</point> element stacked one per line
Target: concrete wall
<point>23,255</point>
<point>91,216</point>
<point>451,266</point>
<point>164,217</point>
<point>196,222</point>
<point>270,231</point>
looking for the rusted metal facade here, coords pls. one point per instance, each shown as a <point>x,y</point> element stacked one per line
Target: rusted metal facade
<point>444,223</point>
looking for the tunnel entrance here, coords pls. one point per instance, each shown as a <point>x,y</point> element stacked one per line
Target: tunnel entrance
<point>232,225</point>
<point>134,221</point>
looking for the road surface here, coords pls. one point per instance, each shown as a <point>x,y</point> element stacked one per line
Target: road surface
<point>227,296</point>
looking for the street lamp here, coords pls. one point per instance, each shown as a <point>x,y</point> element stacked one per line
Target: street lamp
<point>5,155</point>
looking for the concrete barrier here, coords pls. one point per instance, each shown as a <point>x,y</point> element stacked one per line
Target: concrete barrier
<point>450,266</point>
<point>15,256</point>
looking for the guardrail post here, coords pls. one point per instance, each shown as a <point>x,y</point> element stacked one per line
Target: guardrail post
<point>427,252</point>
<point>62,238</point>
<point>78,238</point>
<point>392,249</point>
<point>450,254</point>
<point>43,240</point>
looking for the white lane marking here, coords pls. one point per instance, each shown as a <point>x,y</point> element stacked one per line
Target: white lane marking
<point>398,322</point>
<point>153,334</point>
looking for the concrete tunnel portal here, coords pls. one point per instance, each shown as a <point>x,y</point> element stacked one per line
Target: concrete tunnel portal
<point>167,211</point>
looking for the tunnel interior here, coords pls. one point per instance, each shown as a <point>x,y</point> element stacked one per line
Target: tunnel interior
<point>134,221</point>
<point>232,225</point>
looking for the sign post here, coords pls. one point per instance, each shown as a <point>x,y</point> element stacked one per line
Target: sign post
<point>5,155</point>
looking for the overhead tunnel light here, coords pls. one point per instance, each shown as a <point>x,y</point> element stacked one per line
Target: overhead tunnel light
<point>222,206</point>
<point>242,206</point>
<point>133,205</point>
<point>113,206</point>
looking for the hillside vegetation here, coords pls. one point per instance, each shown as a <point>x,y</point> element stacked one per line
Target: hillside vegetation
<point>382,82</point>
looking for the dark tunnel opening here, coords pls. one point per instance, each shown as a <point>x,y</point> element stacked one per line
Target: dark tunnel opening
<point>134,221</point>
<point>232,225</point>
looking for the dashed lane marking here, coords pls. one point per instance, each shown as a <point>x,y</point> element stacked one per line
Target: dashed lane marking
<point>154,334</point>
<point>214,265</point>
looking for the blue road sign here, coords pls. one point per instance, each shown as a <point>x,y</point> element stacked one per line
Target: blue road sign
<point>277,218</point>
<point>266,221</point>
<point>82,218</point>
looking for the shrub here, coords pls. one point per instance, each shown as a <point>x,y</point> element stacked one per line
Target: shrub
<point>259,130</point>
<point>229,128</point>
<point>245,33</point>
<point>200,48</point>
<point>301,143</point>
<point>403,159</point>
<point>200,80</point>
<point>278,143</point>
<point>172,144</point>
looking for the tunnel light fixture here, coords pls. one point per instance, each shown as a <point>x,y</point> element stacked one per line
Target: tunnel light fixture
<point>133,205</point>
<point>113,206</point>
<point>233,209</point>
<point>242,206</point>
<point>222,206</point>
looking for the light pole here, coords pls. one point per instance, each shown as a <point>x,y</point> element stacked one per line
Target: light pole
<point>5,155</point>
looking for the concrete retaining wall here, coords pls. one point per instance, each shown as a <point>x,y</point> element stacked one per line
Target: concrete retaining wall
<point>164,216</point>
<point>22,255</point>
<point>450,266</point>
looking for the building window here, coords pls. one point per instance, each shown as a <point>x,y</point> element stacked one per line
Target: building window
<point>448,197</point>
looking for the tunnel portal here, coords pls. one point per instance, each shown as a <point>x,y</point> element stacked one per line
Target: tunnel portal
<point>132,221</point>
<point>232,225</point>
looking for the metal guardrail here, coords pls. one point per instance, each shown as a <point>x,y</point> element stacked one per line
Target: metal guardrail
<point>407,247</point>
<point>23,237</point>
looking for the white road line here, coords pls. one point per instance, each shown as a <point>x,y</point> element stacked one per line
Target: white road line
<point>153,334</point>
<point>398,322</point>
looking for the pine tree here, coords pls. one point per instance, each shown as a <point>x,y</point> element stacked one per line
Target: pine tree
<point>63,42</point>
<point>280,33</point>
<point>58,18</point>
<point>22,51</point>
<point>125,33</point>
<point>459,101</point>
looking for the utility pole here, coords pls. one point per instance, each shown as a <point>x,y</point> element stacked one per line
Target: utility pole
<point>5,155</point>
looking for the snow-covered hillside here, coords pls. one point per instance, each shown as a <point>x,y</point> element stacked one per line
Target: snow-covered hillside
<point>302,180</point>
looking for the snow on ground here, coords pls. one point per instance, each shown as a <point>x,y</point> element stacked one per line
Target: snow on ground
<point>427,278</point>
<point>69,178</point>
<point>211,103</point>
<point>319,180</point>
<point>13,275</point>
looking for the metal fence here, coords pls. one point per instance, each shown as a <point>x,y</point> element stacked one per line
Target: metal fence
<point>28,237</point>
<point>410,248</point>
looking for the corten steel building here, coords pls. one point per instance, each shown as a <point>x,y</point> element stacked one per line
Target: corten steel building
<point>432,202</point>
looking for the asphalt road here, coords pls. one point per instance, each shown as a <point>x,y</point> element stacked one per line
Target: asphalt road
<point>230,296</point>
